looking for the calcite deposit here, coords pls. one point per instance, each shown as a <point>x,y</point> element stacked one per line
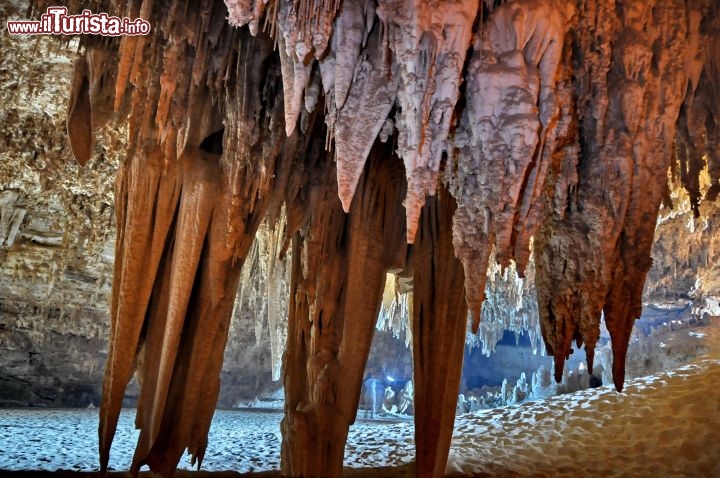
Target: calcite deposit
<point>594,247</point>
<point>414,138</point>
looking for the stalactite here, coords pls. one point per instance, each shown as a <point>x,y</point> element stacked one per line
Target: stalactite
<point>351,29</point>
<point>439,318</point>
<point>295,73</point>
<point>599,261</point>
<point>360,84</point>
<point>699,121</point>
<point>128,46</point>
<point>265,288</point>
<point>396,309</point>
<point>168,84</point>
<point>170,317</point>
<point>511,111</point>
<point>208,210</point>
<point>89,102</point>
<point>339,266</point>
<point>362,115</point>
<point>429,43</point>
<point>278,292</point>
<point>79,114</point>
<point>566,137</point>
<point>510,305</point>
<point>242,12</point>
<point>651,152</point>
<point>144,184</point>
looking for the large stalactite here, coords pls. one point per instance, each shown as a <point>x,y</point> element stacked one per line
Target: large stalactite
<point>510,121</point>
<point>339,269</point>
<point>595,245</point>
<point>556,120</point>
<point>439,324</point>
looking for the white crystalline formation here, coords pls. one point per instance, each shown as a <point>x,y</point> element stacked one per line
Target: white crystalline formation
<point>396,310</point>
<point>429,43</point>
<point>265,289</point>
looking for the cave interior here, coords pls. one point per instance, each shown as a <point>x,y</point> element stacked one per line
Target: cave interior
<point>357,143</point>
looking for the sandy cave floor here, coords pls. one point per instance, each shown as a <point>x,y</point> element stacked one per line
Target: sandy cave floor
<point>663,425</point>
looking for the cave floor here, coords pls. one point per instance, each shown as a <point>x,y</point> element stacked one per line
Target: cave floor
<point>384,472</point>
<point>666,424</point>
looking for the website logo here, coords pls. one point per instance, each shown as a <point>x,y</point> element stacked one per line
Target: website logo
<point>56,21</point>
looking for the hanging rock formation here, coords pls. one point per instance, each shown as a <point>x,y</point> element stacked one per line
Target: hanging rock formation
<point>429,42</point>
<point>594,249</point>
<point>510,119</point>
<point>551,119</point>
<point>339,268</point>
<point>439,318</point>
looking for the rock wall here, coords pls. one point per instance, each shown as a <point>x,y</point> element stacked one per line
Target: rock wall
<point>686,253</point>
<point>57,244</point>
<point>56,234</point>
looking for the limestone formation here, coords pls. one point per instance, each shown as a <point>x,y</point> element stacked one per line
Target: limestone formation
<point>492,123</point>
<point>511,118</point>
<point>595,246</point>
<point>439,314</point>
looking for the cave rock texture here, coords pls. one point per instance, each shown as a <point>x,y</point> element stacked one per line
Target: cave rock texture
<point>404,136</point>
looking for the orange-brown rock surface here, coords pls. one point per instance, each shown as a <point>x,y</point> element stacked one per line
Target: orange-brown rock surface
<point>550,119</point>
<point>594,248</point>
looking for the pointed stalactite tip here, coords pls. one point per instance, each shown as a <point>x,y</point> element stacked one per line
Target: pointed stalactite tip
<point>475,307</point>
<point>290,122</point>
<point>413,209</point>
<point>346,200</point>
<point>559,367</point>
